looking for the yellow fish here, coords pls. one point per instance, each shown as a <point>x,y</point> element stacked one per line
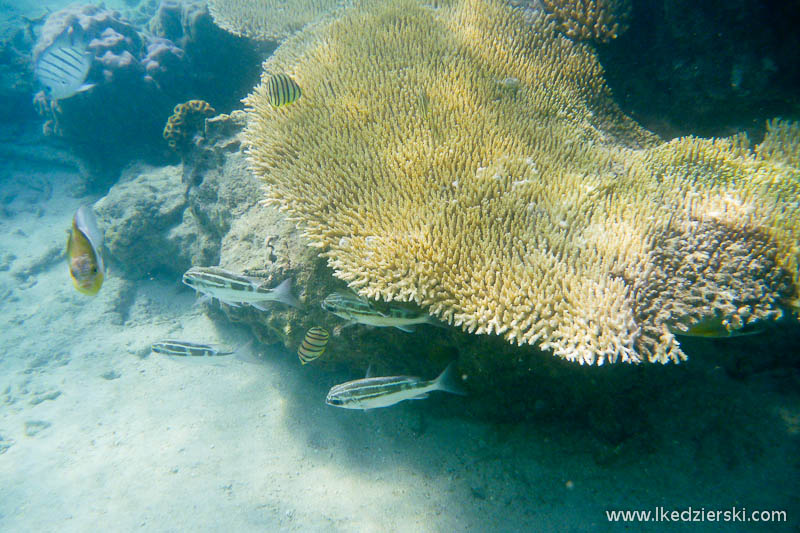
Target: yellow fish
<point>83,252</point>
<point>313,344</point>
<point>282,90</point>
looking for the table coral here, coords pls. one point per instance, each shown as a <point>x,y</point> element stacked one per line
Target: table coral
<point>591,20</point>
<point>460,158</point>
<point>269,20</point>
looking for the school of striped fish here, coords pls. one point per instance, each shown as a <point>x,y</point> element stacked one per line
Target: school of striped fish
<point>62,70</point>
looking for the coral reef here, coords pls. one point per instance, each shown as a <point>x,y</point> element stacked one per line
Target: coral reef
<point>16,70</point>
<point>208,54</point>
<point>270,20</point>
<point>155,221</point>
<point>139,76</point>
<point>186,119</point>
<point>591,20</point>
<point>506,195</point>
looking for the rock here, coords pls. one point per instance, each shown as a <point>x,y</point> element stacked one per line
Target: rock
<point>147,225</point>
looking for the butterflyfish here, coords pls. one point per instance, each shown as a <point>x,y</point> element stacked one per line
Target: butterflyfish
<point>85,242</point>
<point>313,344</point>
<point>63,67</point>
<point>282,90</point>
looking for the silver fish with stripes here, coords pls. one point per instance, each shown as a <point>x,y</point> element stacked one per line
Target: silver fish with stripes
<point>374,392</point>
<point>236,290</point>
<point>282,90</point>
<point>62,68</point>
<point>357,310</point>
<point>188,349</point>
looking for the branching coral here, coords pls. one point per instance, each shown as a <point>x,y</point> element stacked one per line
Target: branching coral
<point>591,20</point>
<point>459,158</point>
<point>269,20</point>
<point>187,118</point>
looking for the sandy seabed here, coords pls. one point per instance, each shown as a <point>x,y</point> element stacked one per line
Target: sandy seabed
<point>97,433</point>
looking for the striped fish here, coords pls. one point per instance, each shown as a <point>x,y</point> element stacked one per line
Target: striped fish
<point>186,348</point>
<point>313,344</point>
<point>235,289</point>
<point>371,393</point>
<point>357,310</point>
<point>63,67</point>
<point>282,90</point>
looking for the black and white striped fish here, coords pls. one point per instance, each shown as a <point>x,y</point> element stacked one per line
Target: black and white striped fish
<point>370,393</point>
<point>282,90</point>
<point>235,289</point>
<point>357,310</point>
<point>63,66</point>
<point>186,348</point>
<point>313,344</point>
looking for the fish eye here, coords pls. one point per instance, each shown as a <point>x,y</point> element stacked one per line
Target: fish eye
<point>334,401</point>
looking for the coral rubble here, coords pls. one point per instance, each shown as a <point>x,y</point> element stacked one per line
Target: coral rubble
<point>459,158</point>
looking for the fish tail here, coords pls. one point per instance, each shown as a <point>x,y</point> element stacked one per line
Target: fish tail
<point>246,354</point>
<point>283,293</point>
<point>433,321</point>
<point>449,382</point>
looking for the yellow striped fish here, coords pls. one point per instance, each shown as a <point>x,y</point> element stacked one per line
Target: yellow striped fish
<point>282,90</point>
<point>313,344</point>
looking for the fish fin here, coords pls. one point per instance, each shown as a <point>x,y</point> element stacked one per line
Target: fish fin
<point>407,329</point>
<point>448,381</point>
<point>420,397</point>
<point>369,371</point>
<point>259,307</point>
<point>232,304</point>
<point>283,293</point>
<point>202,298</point>
<point>246,354</point>
<point>436,323</point>
<point>85,87</point>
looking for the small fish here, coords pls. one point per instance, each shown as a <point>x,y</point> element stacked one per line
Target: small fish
<point>313,344</point>
<point>714,328</point>
<point>357,310</point>
<point>186,348</point>
<point>85,241</point>
<point>370,393</point>
<point>63,67</point>
<point>235,289</point>
<point>282,90</point>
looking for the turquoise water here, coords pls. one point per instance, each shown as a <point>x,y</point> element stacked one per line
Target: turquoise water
<point>97,431</point>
